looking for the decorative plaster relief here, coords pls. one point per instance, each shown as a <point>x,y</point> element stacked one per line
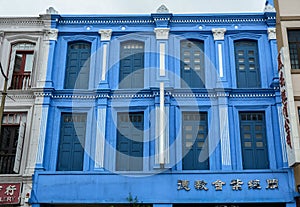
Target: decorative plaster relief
<point>269,8</point>
<point>272,33</point>
<point>162,9</point>
<point>51,10</point>
<point>105,34</point>
<point>51,34</point>
<point>162,33</point>
<point>218,33</point>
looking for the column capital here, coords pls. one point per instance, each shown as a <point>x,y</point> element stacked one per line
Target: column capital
<point>272,33</point>
<point>218,33</point>
<point>51,34</point>
<point>105,34</point>
<point>162,33</point>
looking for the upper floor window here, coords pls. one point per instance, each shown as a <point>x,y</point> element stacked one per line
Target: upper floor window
<point>78,65</point>
<point>294,47</point>
<point>130,141</point>
<point>253,140</point>
<point>11,142</point>
<point>22,59</point>
<point>247,64</point>
<point>72,142</point>
<point>194,141</point>
<point>131,65</point>
<point>192,69</point>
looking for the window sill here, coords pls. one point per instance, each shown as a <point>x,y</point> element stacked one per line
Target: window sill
<point>295,71</point>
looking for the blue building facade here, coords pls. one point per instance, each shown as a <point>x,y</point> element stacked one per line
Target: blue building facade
<point>162,110</point>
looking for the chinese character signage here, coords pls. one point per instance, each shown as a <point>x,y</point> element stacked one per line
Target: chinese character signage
<point>10,193</point>
<point>236,185</point>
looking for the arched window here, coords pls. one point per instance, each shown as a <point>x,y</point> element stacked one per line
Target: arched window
<point>21,65</point>
<point>78,65</point>
<point>247,65</point>
<point>131,65</point>
<point>192,69</point>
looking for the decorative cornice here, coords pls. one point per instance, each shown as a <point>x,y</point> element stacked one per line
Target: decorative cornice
<point>105,34</point>
<point>51,34</point>
<point>21,21</point>
<point>272,33</point>
<point>106,20</point>
<point>218,33</point>
<point>51,10</point>
<point>162,33</point>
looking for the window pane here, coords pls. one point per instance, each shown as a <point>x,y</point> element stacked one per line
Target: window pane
<point>28,63</point>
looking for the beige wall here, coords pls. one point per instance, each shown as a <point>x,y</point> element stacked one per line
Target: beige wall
<point>289,7</point>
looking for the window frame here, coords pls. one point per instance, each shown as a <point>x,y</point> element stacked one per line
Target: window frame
<point>290,30</point>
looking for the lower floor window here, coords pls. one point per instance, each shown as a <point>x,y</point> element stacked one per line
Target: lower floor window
<point>130,141</point>
<point>253,140</point>
<point>11,142</point>
<point>194,138</point>
<point>72,142</point>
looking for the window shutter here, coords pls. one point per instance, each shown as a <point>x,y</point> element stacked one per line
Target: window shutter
<point>19,147</point>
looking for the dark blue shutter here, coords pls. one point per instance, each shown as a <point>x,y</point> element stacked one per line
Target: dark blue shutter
<point>253,140</point>
<point>194,134</point>
<point>78,65</point>
<point>247,64</point>
<point>130,136</point>
<point>192,64</point>
<point>132,65</point>
<point>72,140</point>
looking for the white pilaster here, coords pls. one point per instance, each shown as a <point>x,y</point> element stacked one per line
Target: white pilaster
<point>100,138</point>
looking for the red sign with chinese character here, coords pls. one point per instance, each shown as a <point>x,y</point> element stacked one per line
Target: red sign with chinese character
<point>10,193</point>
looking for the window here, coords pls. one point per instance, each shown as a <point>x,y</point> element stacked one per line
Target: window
<point>192,64</point>
<point>130,137</point>
<point>294,47</point>
<point>194,141</point>
<point>22,64</point>
<point>253,140</point>
<point>131,65</point>
<point>78,65</point>
<point>11,142</point>
<point>247,65</point>
<point>72,142</point>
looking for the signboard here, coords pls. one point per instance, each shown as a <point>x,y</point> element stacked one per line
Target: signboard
<point>10,193</point>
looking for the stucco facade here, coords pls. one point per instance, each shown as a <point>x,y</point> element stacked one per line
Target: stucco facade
<point>21,38</point>
<point>170,109</point>
<point>288,22</point>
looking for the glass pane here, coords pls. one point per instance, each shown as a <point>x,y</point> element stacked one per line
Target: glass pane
<point>247,136</point>
<point>246,127</point>
<point>241,52</point>
<point>188,144</point>
<point>189,136</point>
<point>248,144</point>
<point>200,144</point>
<point>18,63</point>
<point>258,127</point>
<point>241,60</point>
<point>186,60</point>
<point>242,67</point>
<point>258,136</point>
<point>188,128</point>
<point>28,63</point>
<point>252,67</point>
<point>197,53</point>
<point>251,52</point>
<point>251,60</point>
<point>259,144</point>
<point>200,136</point>
<point>197,67</point>
<point>186,67</point>
<point>186,53</point>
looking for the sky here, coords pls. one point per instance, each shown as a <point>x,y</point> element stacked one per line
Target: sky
<point>36,7</point>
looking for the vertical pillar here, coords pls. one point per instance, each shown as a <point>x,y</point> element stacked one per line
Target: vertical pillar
<point>218,34</point>
<point>274,52</point>
<point>39,126</point>
<point>105,41</point>
<point>162,112</point>
<point>46,78</point>
<point>100,136</point>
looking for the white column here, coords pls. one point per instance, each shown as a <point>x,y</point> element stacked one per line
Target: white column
<point>161,124</point>
<point>100,138</point>
<point>105,38</point>
<point>218,34</point>
<point>162,34</point>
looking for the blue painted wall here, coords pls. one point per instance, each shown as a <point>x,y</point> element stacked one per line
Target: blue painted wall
<point>152,185</point>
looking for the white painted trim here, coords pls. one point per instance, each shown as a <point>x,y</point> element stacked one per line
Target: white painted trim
<point>100,138</point>
<point>224,134</point>
<point>104,60</point>
<point>161,123</point>
<point>220,54</point>
<point>162,59</point>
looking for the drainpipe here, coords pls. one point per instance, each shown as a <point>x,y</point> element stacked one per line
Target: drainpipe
<point>4,93</point>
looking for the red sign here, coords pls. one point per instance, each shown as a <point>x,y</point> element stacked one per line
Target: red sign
<point>10,193</point>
